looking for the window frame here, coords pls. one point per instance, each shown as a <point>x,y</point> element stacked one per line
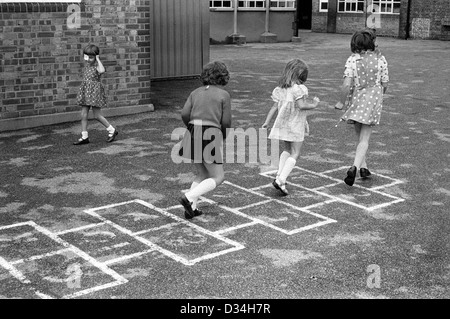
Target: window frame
<point>320,5</point>
<point>386,3</point>
<point>350,2</point>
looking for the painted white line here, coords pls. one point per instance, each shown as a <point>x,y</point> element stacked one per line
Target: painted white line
<point>155,228</point>
<point>21,277</point>
<point>216,254</point>
<point>334,170</point>
<point>57,252</point>
<point>123,258</point>
<point>254,204</point>
<point>385,204</point>
<point>227,230</point>
<point>159,248</point>
<point>73,230</point>
<point>118,278</point>
<point>111,205</point>
<point>16,225</point>
<point>318,224</point>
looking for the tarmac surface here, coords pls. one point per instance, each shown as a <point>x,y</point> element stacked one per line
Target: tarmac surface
<point>103,221</point>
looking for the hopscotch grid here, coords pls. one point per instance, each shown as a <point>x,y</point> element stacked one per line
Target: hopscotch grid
<point>155,228</point>
<point>123,258</point>
<point>73,230</point>
<point>37,257</point>
<point>317,191</point>
<point>159,248</point>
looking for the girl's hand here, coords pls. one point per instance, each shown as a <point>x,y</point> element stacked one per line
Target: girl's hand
<point>339,106</point>
<point>97,57</point>
<point>264,125</point>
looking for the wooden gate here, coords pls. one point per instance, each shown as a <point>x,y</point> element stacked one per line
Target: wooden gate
<point>179,37</point>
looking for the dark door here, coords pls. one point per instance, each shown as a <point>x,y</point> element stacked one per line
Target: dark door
<point>304,13</point>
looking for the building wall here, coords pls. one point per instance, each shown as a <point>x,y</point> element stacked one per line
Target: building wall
<point>41,57</point>
<point>349,22</point>
<point>251,24</point>
<point>430,19</point>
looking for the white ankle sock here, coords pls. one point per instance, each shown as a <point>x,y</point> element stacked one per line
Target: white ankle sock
<point>84,135</point>
<point>110,129</point>
<point>194,202</point>
<point>287,169</point>
<point>204,187</point>
<point>283,157</point>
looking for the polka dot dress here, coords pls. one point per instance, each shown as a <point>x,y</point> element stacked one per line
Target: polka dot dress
<point>367,70</point>
<point>91,92</point>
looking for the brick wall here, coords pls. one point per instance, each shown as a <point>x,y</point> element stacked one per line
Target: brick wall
<point>41,57</point>
<point>433,12</point>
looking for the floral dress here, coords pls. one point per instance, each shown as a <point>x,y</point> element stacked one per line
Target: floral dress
<point>91,92</point>
<point>290,124</point>
<point>367,71</point>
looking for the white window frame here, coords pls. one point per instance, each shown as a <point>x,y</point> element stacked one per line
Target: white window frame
<point>212,2</point>
<point>379,5</point>
<point>320,5</point>
<point>350,2</point>
<point>282,5</point>
<point>251,5</point>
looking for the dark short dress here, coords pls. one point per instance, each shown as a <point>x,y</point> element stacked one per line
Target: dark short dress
<point>91,92</point>
<point>202,143</point>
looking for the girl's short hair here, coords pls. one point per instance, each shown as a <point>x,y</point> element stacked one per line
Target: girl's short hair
<point>362,41</point>
<point>215,73</point>
<point>295,72</point>
<point>91,50</point>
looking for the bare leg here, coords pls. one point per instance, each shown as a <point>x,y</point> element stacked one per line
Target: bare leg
<point>363,145</point>
<point>358,133</point>
<point>99,116</point>
<point>84,118</point>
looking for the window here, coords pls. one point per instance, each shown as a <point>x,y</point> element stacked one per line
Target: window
<point>220,4</point>
<point>323,6</point>
<point>351,5</point>
<point>282,4</point>
<point>252,4</point>
<point>386,6</point>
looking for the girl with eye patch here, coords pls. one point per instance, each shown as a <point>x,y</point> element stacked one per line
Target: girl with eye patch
<point>92,95</point>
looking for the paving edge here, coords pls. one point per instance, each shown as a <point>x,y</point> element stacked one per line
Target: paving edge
<point>20,123</point>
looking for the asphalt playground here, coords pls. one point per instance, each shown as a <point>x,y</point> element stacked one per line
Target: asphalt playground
<point>103,221</point>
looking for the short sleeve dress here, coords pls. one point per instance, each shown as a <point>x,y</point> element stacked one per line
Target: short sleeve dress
<point>91,92</point>
<point>290,124</point>
<point>367,70</point>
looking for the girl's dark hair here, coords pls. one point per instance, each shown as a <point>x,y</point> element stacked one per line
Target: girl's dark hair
<point>362,41</point>
<point>91,50</point>
<point>295,72</point>
<point>215,73</point>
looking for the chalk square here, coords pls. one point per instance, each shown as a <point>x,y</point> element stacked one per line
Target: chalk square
<point>64,275</point>
<point>233,196</point>
<point>104,242</point>
<point>24,241</point>
<point>187,242</point>
<point>134,216</point>
<point>374,181</point>
<point>298,197</point>
<point>214,217</point>
<point>306,179</point>
<point>282,216</point>
<point>363,197</point>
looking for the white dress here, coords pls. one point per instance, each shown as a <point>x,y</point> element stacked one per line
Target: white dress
<point>290,124</point>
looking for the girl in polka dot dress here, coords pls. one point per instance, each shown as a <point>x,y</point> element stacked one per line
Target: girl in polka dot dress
<point>92,95</point>
<point>365,79</point>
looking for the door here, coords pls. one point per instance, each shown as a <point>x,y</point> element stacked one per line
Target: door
<point>179,37</point>
<point>304,14</point>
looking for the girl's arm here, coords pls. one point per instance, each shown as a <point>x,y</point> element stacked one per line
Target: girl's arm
<point>304,105</point>
<point>272,111</point>
<point>100,67</point>
<point>226,115</point>
<point>186,111</point>
<point>345,90</point>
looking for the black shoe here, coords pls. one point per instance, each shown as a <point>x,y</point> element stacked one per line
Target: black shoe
<point>113,136</point>
<point>351,175</point>
<point>81,141</point>
<point>364,173</point>
<point>196,213</point>
<point>281,188</point>
<point>189,212</point>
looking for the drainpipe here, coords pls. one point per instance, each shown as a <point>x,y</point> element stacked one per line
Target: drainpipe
<point>235,38</point>
<point>235,16</point>
<point>408,17</point>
